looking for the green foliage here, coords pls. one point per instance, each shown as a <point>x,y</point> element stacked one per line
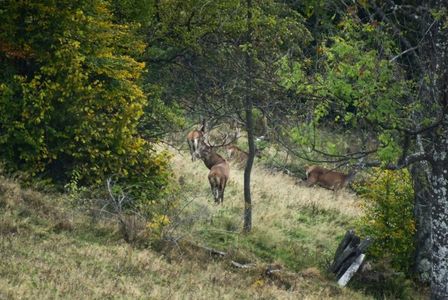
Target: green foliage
<point>390,150</point>
<point>355,82</point>
<point>388,205</point>
<point>76,194</point>
<point>353,86</point>
<point>70,97</point>
<point>159,119</point>
<point>206,43</point>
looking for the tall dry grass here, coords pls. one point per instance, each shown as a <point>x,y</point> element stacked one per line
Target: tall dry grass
<point>42,259</point>
<point>276,197</point>
<point>293,225</point>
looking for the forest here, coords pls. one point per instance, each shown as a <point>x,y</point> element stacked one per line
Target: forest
<point>194,149</point>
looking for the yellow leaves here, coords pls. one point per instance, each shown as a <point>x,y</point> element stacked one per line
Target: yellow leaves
<point>388,206</point>
<point>82,102</point>
<point>159,221</point>
<point>258,283</point>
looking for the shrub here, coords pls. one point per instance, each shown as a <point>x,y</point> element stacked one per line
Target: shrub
<point>388,205</point>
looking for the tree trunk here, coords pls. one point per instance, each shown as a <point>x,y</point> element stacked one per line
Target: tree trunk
<point>249,124</point>
<point>421,178</point>
<point>422,215</point>
<point>439,215</point>
<point>439,162</point>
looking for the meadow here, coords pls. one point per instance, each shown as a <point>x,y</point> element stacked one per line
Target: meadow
<point>50,249</point>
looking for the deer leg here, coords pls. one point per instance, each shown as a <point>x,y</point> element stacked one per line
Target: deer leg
<point>190,145</point>
<point>221,195</point>
<point>214,192</point>
<point>217,194</point>
<point>223,188</point>
<point>196,148</point>
<point>214,187</point>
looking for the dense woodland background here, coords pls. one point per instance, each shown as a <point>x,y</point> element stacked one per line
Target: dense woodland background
<point>96,100</point>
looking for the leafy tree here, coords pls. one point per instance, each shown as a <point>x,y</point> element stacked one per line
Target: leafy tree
<point>70,94</point>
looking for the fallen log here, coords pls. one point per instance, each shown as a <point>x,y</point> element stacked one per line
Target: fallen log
<point>213,251</point>
<point>241,266</point>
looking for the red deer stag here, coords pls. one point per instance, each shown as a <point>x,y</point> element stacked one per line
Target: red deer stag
<point>219,170</point>
<point>218,166</point>
<point>194,138</point>
<point>327,178</point>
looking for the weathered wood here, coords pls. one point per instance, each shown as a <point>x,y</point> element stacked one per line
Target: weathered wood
<point>241,266</point>
<point>214,251</point>
<point>347,256</point>
<point>345,241</point>
<point>346,253</point>
<point>347,263</point>
<point>270,271</point>
<point>351,256</point>
<point>351,270</point>
<point>342,245</point>
<point>365,244</point>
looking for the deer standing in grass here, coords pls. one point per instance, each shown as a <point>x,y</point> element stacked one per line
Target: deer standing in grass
<point>219,170</point>
<point>238,155</point>
<point>327,178</point>
<point>194,138</point>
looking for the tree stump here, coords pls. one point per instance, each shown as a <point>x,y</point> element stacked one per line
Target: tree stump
<point>348,257</point>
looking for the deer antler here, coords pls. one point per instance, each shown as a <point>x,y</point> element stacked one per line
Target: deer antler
<point>225,141</point>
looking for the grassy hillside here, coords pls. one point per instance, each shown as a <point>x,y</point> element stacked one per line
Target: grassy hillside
<point>292,224</point>
<point>49,249</point>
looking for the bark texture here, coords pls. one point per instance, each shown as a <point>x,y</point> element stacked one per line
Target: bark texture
<point>439,216</point>
<point>422,215</point>
<point>439,180</point>
<point>248,105</point>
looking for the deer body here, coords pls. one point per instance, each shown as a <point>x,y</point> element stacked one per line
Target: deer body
<point>327,178</point>
<point>217,177</point>
<point>219,171</point>
<point>238,155</point>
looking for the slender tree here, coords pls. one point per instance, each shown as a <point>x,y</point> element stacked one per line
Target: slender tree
<point>227,54</point>
<point>248,106</point>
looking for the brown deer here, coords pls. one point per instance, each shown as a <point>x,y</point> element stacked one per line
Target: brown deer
<point>238,155</point>
<point>327,178</point>
<point>219,170</point>
<point>194,138</point>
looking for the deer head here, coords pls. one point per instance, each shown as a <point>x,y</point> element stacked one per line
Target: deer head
<point>194,139</point>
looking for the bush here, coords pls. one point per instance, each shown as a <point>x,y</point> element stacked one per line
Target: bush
<point>388,206</point>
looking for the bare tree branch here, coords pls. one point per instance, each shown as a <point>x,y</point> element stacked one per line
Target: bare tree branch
<point>409,160</point>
